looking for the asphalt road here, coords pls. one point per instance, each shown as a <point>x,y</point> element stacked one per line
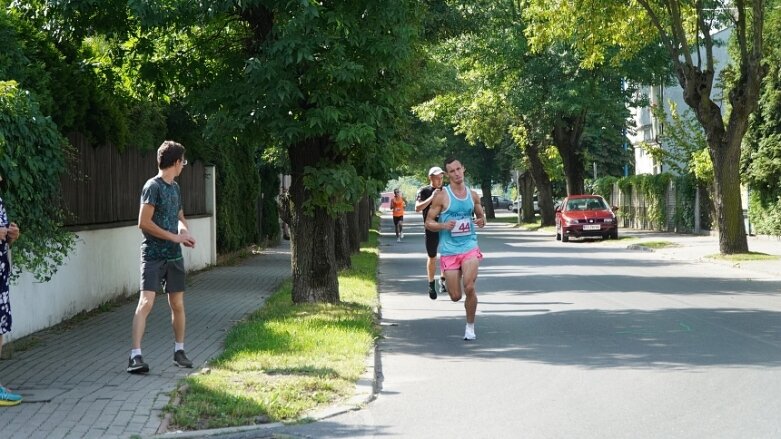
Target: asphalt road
<point>576,340</point>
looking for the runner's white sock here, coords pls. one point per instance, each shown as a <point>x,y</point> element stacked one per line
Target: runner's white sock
<point>471,326</point>
<point>134,352</point>
<point>178,346</point>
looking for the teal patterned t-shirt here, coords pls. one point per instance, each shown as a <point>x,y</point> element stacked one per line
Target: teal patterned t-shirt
<point>167,200</point>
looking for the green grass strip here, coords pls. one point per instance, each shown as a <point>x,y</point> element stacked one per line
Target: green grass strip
<point>287,359</point>
<point>740,257</point>
<point>504,219</point>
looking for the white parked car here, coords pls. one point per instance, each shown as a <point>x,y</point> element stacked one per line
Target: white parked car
<point>515,204</point>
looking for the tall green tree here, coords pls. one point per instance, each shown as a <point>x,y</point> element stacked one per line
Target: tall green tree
<point>328,82</point>
<point>502,86</point>
<point>65,53</point>
<point>685,29</point>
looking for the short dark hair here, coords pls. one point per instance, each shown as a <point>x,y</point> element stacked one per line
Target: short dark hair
<point>449,160</point>
<point>168,153</point>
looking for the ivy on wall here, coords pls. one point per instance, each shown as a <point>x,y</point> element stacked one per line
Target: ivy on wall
<point>653,189</point>
<point>237,198</point>
<point>685,200</point>
<point>238,181</point>
<point>604,186</point>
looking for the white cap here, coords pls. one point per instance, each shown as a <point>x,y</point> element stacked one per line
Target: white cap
<point>436,170</point>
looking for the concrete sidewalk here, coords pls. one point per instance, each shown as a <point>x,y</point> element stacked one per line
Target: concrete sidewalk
<point>691,248</point>
<point>74,381</point>
<point>703,248</point>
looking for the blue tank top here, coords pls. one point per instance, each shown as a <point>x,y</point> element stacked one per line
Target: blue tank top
<point>463,237</point>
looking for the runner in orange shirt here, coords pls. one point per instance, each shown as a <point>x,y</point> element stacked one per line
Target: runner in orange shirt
<point>397,205</point>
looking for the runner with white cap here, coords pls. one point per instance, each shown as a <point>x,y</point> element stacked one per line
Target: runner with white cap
<point>422,202</point>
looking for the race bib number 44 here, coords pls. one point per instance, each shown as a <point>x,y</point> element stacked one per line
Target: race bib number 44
<point>463,227</point>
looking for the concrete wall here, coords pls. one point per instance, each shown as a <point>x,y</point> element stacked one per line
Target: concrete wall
<point>103,266</point>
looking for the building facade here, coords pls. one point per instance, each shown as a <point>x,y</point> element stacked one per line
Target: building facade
<point>649,130</point>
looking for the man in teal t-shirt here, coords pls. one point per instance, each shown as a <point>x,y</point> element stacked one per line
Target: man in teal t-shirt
<point>161,220</point>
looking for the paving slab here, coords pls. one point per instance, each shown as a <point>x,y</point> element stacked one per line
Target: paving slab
<point>74,380</point>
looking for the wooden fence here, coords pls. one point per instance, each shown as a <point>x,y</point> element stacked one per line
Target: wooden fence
<point>104,185</point>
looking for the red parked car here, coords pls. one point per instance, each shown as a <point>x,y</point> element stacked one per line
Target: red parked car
<point>585,215</point>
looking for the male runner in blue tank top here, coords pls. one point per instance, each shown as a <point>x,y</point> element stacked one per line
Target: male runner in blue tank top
<point>459,254</point>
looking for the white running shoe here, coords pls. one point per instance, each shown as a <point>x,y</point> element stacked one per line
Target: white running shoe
<point>469,334</point>
<point>398,239</point>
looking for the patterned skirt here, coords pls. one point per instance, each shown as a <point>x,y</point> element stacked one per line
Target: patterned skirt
<point>5,311</point>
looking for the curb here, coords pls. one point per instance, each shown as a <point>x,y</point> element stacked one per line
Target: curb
<point>639,247</point>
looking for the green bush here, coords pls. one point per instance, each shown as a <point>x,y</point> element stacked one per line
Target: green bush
<point>32,158</point>
<point>765,216</point>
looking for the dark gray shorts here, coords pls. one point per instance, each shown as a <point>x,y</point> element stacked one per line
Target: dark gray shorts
<point>163,275</point>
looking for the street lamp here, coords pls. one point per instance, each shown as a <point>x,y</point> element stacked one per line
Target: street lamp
<point>599,138</point>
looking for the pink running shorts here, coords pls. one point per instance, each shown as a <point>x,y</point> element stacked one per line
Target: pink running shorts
<point>453,262</point>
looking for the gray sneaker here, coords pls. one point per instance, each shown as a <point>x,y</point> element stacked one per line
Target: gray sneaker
<point>442,286</point>
<point>137,365</point>
<point>181,360</point>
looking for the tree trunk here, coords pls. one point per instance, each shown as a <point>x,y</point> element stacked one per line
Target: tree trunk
<point>567,135</point>
<point>487,199</point>
<point>724,147</point>
<point>365,213</point>
<point>268,213</point>
<point>354,229</point>
<point>729,209</point>
<point>573,170</point>
<point>313,260</point>
<point>342,243</point>
<point>543,183</point>
<point>527,197</point>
